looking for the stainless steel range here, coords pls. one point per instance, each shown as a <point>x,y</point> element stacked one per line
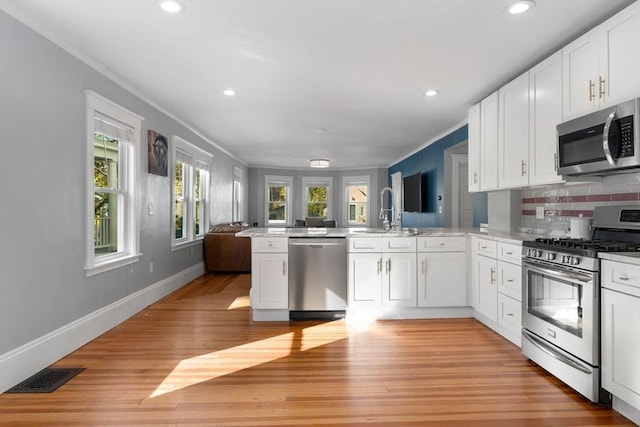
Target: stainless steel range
<point>561,297</point>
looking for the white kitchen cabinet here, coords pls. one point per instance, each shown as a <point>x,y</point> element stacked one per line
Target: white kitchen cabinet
<point>365,280</point>
<point>484,278</point>
<point>474,148</point>
<point>269,273</point>
<point>382,272</point>
<point>489,142</point>
<point>601,68</point>
<point>545,113</point>
<point>513,133</point>
<point>620,318</point>
<point>442,273</point>
<point>510,291</point>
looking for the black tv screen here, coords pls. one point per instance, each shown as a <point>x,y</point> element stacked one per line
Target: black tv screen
<point>413,193</point>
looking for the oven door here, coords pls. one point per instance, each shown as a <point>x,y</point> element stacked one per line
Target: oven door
<point>560,305</point>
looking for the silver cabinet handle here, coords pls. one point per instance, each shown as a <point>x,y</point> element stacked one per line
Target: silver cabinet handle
<point>510,314</point>
<point>475,177</point>
<point>510,280</point>
<point>591,87</point>
<point>493,275</point>
<point>605,138</point>
<point>509,252</point>
<point>423,265</point>
<point>284,268</point>
<point>379,266</point>
<point>624,278</point>
<point>601,87</point>
<point>388,266</point>
<point>524,168</point>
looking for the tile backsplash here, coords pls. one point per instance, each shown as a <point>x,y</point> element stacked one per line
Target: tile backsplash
<point>564,201</point>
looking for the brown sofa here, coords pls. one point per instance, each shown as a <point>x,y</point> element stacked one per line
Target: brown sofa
<point>224,252</point>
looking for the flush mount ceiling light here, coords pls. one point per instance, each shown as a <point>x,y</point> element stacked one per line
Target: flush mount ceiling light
<point>520,6</point>
<point>319,163</point>
<point>171,6</point>
<point>431,92</point>
<point>229,92</point>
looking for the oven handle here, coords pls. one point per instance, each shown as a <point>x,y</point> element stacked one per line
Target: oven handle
<point>605,139</point>
<point>585,278</point>
<point>542,346</point>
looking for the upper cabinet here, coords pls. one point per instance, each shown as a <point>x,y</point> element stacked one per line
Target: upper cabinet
<point>474,148</point>
<point>489,142</point>
<point>513,133</point>
<point>601,68</point>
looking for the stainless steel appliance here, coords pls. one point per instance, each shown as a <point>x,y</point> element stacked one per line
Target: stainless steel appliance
<point>601,143</point>
<point>561,297</point>
<point>317,277</point>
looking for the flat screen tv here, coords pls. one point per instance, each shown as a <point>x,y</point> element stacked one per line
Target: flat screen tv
<point>413,188</point>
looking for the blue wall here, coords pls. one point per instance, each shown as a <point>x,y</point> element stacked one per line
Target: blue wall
<point>430,161</point>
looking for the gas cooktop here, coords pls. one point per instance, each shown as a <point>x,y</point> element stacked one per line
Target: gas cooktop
<point>594,246</point>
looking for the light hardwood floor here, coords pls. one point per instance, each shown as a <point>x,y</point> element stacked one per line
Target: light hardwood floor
<point>195,358</point>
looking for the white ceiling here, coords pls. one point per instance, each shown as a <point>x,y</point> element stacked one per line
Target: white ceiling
<point>357,68</point>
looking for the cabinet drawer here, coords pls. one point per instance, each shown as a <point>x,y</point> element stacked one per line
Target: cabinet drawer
<point>510,252</point>
<point>269,244</point>
<point>510,313</point>
<point>621,276</point>
<point>510,280</point>
<point>364,244</point>
<point>486,247</point>
<point>441,244</point>
<point>399,244</point>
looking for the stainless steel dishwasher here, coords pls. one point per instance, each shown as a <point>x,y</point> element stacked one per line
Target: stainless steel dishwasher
<point>317,277</point>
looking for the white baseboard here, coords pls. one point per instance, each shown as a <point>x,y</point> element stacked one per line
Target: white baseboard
<point>22,362</point>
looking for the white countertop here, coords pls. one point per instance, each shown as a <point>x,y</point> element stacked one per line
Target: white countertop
<point>627,257</point>
<point>373,232</point>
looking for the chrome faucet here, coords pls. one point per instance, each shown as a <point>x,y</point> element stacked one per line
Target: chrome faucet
<point>386,224</point>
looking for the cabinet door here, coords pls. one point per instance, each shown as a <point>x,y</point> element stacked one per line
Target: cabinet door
<point>442,279</point>
<point>399,280</point>
<point>580,75</point>
<point>489,142</point>
<point>621,346</point>
<point>474,148</point>
<point>365,279</point>
<point>545,113</point>
<point>269,281</point>
<point>487,299</point>
<point>513,133</point>
<point>619,57</point>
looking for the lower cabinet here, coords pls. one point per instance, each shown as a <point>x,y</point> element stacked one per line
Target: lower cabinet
<point>486,287</point>
<point>269,273</point>
<point>399,280</point>
<point>442,272</point>
<point>365,280</point>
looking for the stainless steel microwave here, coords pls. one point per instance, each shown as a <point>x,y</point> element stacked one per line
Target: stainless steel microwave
<point>601,143</point>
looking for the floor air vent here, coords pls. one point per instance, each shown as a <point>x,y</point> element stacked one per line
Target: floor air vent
<point>46,381</point>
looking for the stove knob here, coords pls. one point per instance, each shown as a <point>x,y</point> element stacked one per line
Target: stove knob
<point>575,260</point>
<point>565,259</point>
<point>538,254</point>
<point>551,256</point>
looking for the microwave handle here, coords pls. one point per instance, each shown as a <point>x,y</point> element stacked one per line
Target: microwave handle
<point>605,139</point>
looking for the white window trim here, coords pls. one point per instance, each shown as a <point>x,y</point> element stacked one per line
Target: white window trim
<point>317,181</point>
<point>129,232</point>
<point>205,159</point>
<point>288,181</point>
<point>236,198</point>
<point>348,181</point>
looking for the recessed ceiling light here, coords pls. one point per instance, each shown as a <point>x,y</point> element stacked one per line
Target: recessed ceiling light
<point>520,6</point>
<point>431,92</point>
<point>229,92</point>
<point>172,6</point>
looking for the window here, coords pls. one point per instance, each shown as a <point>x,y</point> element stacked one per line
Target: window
<point>113,144</point>
<point>190,195</point>
<point>317,197</point>
<point>356,190</point>
<point>238,214</point>
<point>278,199</point>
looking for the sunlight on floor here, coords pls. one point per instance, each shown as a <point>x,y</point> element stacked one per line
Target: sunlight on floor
<point>240,302</point>
<point>213,365</point>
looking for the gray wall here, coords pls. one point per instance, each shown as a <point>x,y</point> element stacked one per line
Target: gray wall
<point>378,180</point>
<point>42,189</point>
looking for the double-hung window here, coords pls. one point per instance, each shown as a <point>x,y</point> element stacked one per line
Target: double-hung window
<point>356,207</point>
<point>317,197</point>
<point>113,144</point>
<point>190,192</point>
<point>278,196</point>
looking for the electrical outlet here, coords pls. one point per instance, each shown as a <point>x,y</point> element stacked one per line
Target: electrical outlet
<point>149,209</point>
<point>151,267</point>
<point>540,212</point>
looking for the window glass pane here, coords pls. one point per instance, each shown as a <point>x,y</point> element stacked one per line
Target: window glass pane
<point>357,200</point>
<point>317,201</point>
<point>197,220</point>
<point>277,211</point>
<point>196,184</point>
<point>178,183</point>
<point>105,154</point>
<point>277,193</point>
<point>105,224</point>
<point>179,219</point>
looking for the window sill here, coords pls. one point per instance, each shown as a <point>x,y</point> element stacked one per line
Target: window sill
<point>112,264</point>
<point>184,245</point>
